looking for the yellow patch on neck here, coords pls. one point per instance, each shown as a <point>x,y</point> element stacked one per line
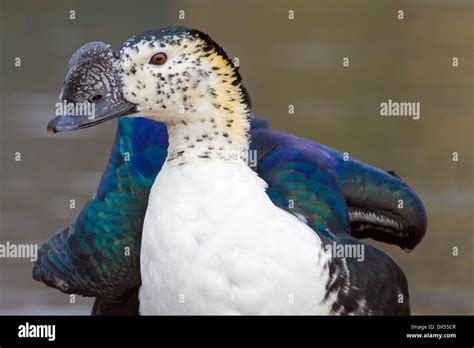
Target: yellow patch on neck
<point>229,95</point>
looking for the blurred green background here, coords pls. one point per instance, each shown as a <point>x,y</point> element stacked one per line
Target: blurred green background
<point>283,62</point>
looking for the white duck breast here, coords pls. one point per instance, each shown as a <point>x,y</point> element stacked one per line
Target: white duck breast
<point>214,243</point>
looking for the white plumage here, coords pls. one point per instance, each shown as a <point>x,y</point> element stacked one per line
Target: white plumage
<point>214,243</point>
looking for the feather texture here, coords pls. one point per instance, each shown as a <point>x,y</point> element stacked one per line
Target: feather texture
<point>98,255</point>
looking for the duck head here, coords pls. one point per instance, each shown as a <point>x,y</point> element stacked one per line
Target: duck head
<point>175,75</point>
<point>91,84</point>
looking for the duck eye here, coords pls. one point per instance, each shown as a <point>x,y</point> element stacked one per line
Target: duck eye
<point>158,59</point>
<point>96,98</point>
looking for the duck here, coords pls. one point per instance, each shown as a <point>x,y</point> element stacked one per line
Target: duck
<point>242,249</point>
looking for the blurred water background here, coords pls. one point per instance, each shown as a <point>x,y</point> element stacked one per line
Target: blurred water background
<point>283,62</point>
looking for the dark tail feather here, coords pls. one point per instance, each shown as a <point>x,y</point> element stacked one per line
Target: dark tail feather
<point>128,305</point>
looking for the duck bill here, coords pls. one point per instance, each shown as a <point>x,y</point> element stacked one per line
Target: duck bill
<point>67,123</point>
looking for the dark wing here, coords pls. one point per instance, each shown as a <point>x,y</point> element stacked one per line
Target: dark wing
<point>304,178</point>
<point>88,257</point>
<point>382,206</point>
<point>98,255</point>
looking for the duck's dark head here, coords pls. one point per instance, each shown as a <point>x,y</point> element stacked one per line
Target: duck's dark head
<point>174,75</point>
<point>91,91</point>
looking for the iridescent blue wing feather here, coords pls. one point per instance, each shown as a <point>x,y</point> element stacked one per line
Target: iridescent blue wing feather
<point>302,177</point>
<point>382,206</point>
<point>98,255</point>
<point>307,179</point>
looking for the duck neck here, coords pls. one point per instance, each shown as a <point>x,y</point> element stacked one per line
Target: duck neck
<point>209,138</point>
